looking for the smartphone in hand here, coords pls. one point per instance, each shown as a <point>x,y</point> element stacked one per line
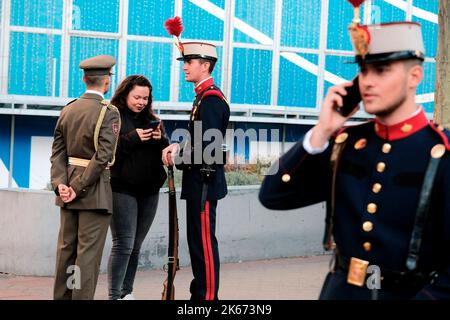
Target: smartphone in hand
<point>351,100</point>
<point>153,124</point>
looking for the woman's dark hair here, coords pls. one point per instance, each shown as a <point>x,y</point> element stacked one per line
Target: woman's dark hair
<point>120,96</point>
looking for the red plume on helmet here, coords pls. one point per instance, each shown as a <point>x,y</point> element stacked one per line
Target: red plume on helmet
<point>356,3</point>
<point>174,27</point>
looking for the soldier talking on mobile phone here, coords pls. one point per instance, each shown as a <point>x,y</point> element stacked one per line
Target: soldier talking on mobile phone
<point>386,182</point>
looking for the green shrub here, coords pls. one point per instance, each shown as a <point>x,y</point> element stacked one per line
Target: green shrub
<point>240,178</point>
<point>237,174</point>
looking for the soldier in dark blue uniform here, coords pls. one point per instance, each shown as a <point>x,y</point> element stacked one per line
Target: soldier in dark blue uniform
<point>203,182</point>
<point>386,182</point>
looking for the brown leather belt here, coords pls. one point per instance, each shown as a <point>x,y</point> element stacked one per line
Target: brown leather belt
<point>391,280</point>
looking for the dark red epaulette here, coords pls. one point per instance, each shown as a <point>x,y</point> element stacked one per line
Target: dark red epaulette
<point>440,130</point>
<point>213,91</point>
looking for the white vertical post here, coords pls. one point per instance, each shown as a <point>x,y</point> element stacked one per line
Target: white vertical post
<point>322,48</point>
<point>409,9</point>
<point>175,67</point>
<point>227,50</point>
<point>65,48</point>
<point>368,12</point>
<point>276,52</point>
<point>123,42</point>
<point>54,77</point>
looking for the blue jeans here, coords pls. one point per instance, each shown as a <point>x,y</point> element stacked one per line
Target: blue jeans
<point>130,223</point>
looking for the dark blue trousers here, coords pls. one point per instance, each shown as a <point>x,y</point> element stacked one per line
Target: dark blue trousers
<point>203,249</point>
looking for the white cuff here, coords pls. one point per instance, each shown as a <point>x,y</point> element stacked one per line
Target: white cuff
<point>310,149</point>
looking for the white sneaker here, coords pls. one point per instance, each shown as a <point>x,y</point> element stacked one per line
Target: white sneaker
<point>128,297</point>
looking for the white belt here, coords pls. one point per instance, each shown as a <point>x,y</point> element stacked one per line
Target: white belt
<point>79,162</point>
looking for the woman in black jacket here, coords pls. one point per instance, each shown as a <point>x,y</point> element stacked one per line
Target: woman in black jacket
<point>136,178</point>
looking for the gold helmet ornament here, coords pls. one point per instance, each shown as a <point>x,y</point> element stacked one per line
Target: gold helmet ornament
<point>359,34</point>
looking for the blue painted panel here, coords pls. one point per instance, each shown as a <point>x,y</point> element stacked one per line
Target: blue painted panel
<point>428,107</point>
<point>383,12</point>
<point>171,125</point>
<point>5,138</point>
<point>83,48</point>
<point>99,15</point>
<point>152,60</point>
<point>301,24</point>
<point>430,36</point>
<point>32,13</point>
<point>252,76</point>
<point>0,20</point>
<point>429,25</point>
<point>295,132</point>
<point>432,6</point>
<point>340,15</point>
<point>25,128</point>
<point>146,17</point>
<point>200,24</point>
<point>186,93</point>
<point>256,135</point>
<point>428,84</point>
<point>32,64</point>
<point>297,87</point>
<point>258,14</point>
<point>339,66</point>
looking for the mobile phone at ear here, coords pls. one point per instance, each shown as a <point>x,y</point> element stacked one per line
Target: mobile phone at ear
<point>351,100</point>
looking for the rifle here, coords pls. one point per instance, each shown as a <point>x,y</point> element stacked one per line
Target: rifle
<point>172,252</point>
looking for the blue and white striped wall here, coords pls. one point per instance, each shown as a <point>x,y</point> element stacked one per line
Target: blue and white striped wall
<point>277,54</point>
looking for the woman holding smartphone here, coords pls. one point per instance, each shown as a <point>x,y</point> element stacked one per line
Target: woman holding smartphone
<point>136,178</point>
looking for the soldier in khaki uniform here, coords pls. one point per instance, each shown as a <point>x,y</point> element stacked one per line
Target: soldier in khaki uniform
<point>84,145</point>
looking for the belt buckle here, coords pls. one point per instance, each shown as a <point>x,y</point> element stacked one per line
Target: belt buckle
<point>357,271</point>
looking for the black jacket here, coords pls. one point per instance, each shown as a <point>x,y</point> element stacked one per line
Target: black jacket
<point>138,169</point>
<point>373,223</point>
<point>214,113</point>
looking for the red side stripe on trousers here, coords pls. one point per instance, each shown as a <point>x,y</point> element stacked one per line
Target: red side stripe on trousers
<point>211,257</point>
<point>207,252</point>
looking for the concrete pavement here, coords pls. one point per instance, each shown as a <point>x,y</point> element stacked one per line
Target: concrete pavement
<point>290,279</point>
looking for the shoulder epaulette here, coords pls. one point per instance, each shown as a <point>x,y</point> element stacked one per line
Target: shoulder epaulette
<point>113,107</point>
<point>441,132</point>
<point>213,91</point>
<point>108,104</point>
<point>71,102</point>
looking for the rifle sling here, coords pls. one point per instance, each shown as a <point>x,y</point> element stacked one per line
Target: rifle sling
<point>421,214</point>
<point>328,242</point>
